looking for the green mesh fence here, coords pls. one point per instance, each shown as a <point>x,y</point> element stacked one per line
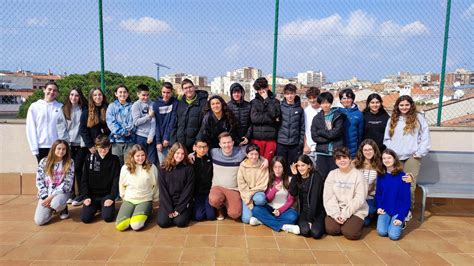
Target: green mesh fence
<point>391,47</point>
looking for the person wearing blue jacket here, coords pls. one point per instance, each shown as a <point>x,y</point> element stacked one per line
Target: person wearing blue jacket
<point>165,118</point>
<point>120,122</point>
<point>354,123</point>
<point>392,197</point>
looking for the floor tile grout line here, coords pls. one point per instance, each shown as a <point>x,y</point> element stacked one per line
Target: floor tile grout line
<point>373,251</point>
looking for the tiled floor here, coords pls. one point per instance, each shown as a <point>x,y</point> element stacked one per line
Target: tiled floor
<point>447,237</point>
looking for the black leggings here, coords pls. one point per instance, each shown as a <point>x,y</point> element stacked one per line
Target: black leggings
<point>317,227</point>
<point>182,220</point>
<point>88,212</point>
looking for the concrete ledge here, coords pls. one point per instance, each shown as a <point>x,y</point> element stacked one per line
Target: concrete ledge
<point>10,183</point>
<point>28,184</point>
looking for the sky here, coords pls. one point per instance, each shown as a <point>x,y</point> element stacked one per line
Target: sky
<point>368,39</point>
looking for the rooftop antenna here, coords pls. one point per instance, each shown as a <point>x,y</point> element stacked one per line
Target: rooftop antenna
<point>158,65</point>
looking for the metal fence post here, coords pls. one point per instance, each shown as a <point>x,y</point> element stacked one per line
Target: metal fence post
<point>275,45</point>
<point>101,34</point>
<point>443,66</point>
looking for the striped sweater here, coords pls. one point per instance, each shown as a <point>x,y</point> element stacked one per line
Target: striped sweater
<point>226,167</point>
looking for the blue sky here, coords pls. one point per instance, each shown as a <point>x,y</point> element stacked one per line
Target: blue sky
<point>365,38</point>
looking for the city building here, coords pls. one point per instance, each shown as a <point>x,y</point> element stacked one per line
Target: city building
<point>312,78</point>
<point>460,77</point>
<point>177,78</point>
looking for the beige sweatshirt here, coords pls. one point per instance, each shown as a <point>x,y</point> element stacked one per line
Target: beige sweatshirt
<point>139,187</point>
<point>250,180</point>
<point>345,193</point>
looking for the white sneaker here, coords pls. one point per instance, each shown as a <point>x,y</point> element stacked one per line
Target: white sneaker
<point>64,214</point>
<point>291,228</point>
<point>254,221</point>
<point>409,217</point>
<point>69,201</point>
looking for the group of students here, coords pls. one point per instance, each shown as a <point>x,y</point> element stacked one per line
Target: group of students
<point>255,160</point>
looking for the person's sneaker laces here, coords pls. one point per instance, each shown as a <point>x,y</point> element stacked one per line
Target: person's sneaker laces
<point>64,214</point>
<point>254,221</point>
<point>291,228</point>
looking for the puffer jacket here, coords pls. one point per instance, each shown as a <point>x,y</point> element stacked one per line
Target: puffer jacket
<point>354,128</point>
<point>265,116</point>
<point>190,117</point>
<point>241,112</point>
<point>291,131</point>
<point>328,139</point>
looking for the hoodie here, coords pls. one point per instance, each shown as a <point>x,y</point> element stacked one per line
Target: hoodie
<point>68,130</point>
<point>374,127</point>
<point>145,125</point>
<point>165,119</point>
<point>41,121</point>
<point>241,110</point>
<point>251,179</point>
<point>120,122</point>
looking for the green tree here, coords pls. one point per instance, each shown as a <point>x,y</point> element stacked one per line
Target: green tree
<point>91,80</point>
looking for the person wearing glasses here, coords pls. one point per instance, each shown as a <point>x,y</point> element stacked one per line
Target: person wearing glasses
<point>190,113</point>
<point>100,182</point>
<point>202,182</point>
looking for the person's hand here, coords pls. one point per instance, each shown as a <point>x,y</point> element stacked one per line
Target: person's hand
<point>149,141</point>
<point>159,147</point>
<point>47,201</point>
<point>192,157</point>
<point>380,211</point>
<point>407,178</point>
<point>156,204</point>
<point>170,215</point>
<point>416,156</point>
<point>87,202</point>
<point>306,149</point>
<point>279,186</point>
<point>92,150</point>
<point>173,214</point>
<point>165,143</point>
<point>397,222</point>
<point>264,164</point>
<point>276,212</point>
<point>244,141</point>
<point>293,169</point>
<point>108,202</point>
<point>339,220</point>
<point>151,113</point>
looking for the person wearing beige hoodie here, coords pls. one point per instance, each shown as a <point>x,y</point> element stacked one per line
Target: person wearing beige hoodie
<point>345,191</point>
<point>252,182</point>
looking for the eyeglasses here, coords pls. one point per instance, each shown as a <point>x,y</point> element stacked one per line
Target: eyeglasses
<point>201,146</point>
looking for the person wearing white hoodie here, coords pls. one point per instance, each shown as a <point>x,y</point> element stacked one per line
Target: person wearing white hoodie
<point>41,121</point>
<point>407,133</point>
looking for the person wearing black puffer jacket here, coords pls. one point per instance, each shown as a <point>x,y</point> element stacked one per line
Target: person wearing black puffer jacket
<point>241,109</point>
<point>327,130</point>
<point>291,134</point>
<point>190,113</point>
<point>265,116</point>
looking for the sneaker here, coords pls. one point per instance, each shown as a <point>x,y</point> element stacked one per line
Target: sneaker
<point>64,214</point>
<point>291,228</point>
<point>404,225</point>
<point>220,214</point>
<point>69,201</point>
<point>254,221</point>
<point>77,201</point>
<point>409,217</point>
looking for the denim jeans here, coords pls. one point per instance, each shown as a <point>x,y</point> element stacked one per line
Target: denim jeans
<point>372,210</point>
<point>386,227</point>
<point>259,199</point>
<point>150,148</point>
<point>264,214</point>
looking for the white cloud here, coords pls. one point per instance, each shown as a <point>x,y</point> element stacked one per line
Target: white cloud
<point>232,52</point>
<point>469,12</point>
<point>37,22</point>
<point>358,24</point>
<point>145,25</point>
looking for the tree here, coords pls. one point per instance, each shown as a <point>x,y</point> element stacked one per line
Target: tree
<point>91,80</point>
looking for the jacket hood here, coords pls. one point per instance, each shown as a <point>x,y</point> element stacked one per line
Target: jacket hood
<point>296,103</point>
<point>248,164</point>
<point>354,108</point>
<point>202,94</point>
<point>236,86</point>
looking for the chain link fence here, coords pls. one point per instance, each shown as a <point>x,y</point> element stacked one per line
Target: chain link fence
<point>391,47</point>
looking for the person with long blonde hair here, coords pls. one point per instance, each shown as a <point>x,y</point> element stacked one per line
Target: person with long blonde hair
<point>138,188</point>
<point>54,180</point>
<point>176,184</point>
<point>407,133</point>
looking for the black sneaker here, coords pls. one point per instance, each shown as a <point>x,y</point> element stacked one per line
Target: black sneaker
<point>64,214</point>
